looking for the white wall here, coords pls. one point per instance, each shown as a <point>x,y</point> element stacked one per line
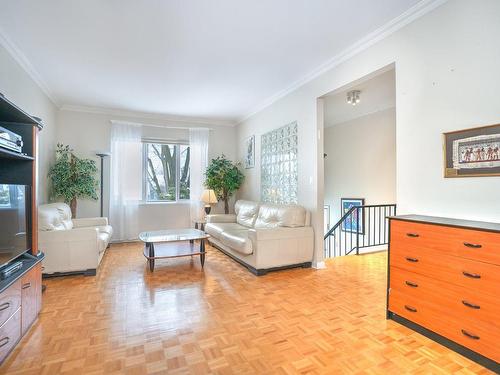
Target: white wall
<point>87,133</point>
<point>361,161</point>
<point>447,78</point>
<point>19,88</point>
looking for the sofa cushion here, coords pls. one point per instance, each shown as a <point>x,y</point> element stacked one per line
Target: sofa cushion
<point>246,212</point>
<point>215,229</point>
<point>237,240</point>
<point>54,216</point>
<point>273,216</point>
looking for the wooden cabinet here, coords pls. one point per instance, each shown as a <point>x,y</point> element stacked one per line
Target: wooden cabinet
<point>444,275</point>
<point>20,303</point>
<point>31,296</point>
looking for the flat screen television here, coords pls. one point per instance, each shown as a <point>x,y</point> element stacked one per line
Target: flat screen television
<point>14,236</point>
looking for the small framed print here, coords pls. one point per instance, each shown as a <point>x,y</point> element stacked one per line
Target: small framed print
<point>472,152</point>
<point>353,223</point>
<point>250,152</point>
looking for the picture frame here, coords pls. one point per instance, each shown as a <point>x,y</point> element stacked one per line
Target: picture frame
<point>350,224</point>
<point>249,148</point>
<point>473,152</point>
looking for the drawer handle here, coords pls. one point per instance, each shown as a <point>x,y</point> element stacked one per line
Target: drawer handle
<point>471,275</point>
<point>473,245</point>
<point>413,235</point>
<point>4,341</point>
<point>411,309</point>
<point>470,335</point>
<point>26,286</point>
<point>413,260</point>
<point>471,305</point>
<point>4,306</point>
<point>409,283</point>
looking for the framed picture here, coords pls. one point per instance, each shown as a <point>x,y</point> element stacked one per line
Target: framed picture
<point>250,152</point>
<point>472,152</point>
<point>353,223</point>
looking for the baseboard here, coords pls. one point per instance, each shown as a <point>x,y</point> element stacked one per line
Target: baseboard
<point>262,271</point>
<point>472,355</point>
<point>88,272</point>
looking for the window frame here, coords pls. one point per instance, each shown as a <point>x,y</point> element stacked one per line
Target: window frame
<point>145,142</point>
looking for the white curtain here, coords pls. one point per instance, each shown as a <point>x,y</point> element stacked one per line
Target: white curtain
<point>198,144</point>
<point>126,180</point>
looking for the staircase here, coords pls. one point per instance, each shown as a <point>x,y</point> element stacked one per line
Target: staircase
<point>359,228</point>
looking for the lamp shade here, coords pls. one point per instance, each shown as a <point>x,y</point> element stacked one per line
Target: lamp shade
<point>208,196</point>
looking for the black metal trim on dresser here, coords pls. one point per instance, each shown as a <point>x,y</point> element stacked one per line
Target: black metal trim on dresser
<point>448,222</point>
<point>478,358</point>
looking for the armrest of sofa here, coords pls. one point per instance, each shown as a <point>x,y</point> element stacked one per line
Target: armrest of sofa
<point>280,233</point>
<point>76,234</point>
<point>221,218</point>
<point>90,222</point>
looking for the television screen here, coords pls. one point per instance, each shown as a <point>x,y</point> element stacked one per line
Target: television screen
<point>13,222</point>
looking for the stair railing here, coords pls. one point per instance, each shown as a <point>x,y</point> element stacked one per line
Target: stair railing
<point>360,227</point>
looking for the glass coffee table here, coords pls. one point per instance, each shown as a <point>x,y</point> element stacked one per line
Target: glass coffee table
<point>175,243</point>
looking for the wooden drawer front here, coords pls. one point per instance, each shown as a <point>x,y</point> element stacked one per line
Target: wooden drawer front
<point>10,333</point>
<point>10,300</point>
<point>477,336</point>
<point>464,302</point>
<point>471,244</point>
<point>476,276</point>
<point>31,295</point>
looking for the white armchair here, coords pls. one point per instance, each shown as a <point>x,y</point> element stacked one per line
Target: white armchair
<point>71,245</point>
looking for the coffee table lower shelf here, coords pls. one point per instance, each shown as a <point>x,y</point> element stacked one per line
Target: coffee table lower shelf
<point>173,250</point>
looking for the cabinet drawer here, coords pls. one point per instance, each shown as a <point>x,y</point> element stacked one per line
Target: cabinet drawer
<point>463,302</point>
<point>477,336</point>
<point>10,333</point>
<point>467,243</point>
<point>476,276</point>
<point>10,300</point>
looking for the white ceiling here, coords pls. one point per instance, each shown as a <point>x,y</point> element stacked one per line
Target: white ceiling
<point>377,94</point>
<point>217,59</point>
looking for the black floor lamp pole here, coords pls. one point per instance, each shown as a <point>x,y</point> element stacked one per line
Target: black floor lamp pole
<point>102,155</point>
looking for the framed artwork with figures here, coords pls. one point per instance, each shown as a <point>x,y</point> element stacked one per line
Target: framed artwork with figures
<point>353,223</point>
<point>472,152</point>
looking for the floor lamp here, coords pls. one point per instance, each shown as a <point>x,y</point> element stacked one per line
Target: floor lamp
<point>102,155</point>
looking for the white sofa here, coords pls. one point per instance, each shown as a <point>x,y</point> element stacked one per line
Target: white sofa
<point>71,245</point>
<point>264,237</point>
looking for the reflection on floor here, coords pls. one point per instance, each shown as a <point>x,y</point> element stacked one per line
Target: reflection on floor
<point>224,320</point>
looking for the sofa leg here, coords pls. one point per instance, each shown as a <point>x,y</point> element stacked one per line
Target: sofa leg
<point>90,272</point>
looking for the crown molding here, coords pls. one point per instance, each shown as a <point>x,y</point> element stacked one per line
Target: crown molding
<point>148,116</point>
<point>418,10</point>
<point>26,65</point>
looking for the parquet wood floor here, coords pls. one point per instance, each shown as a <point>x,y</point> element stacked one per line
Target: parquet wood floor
<point>224,320</point>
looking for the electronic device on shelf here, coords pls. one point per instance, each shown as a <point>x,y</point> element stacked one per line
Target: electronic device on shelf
<point>10,269</point>
<point>11,140</point>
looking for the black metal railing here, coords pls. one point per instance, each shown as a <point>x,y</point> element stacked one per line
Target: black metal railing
<point>360,227</point>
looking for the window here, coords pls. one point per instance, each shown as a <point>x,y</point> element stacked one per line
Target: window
<point>166,172</point>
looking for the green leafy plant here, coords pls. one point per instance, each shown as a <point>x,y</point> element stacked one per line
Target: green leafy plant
<point>224,177</point>
<point>73,177</point>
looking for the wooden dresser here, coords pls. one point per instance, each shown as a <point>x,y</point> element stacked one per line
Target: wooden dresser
<point>444,282</point>
<point>20,302</point>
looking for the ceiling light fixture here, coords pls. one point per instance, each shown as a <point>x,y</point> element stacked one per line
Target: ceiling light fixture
<point>353,97</point>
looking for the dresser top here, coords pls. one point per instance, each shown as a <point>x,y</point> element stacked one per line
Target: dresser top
<point>458,223</point>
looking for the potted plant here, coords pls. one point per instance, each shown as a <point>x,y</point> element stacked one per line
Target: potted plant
<point>73,177</point>
<point>224,177</point>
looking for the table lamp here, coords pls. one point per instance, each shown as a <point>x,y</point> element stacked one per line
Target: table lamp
<point>208,197</point>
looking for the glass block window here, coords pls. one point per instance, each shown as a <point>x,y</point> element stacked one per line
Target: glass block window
<point>279,171</point>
